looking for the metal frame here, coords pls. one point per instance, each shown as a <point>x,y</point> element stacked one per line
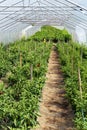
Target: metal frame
<point>41,12</point>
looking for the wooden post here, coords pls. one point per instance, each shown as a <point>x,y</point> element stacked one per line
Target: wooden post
<point>20,59</point>
<point>31,71</point>
<point>72,65</point>
<point>81,54</point>
<point>80,87</point>
<point>72,59</point>
<point>80,84</point>
<point>35,46</point>
<point>63,48</point>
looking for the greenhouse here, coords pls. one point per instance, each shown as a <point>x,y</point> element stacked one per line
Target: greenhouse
<point>43,64</point>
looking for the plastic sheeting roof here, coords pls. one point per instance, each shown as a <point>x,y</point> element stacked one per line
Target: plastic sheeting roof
<point>16,14</point>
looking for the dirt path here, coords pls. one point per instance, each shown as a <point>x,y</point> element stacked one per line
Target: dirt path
<point>55,111</point>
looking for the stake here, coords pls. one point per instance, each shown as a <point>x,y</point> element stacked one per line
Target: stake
<point>73,60</point>
<point>20,59</point>
<point>31,71</point>
<point>81,53</point>
<point>80,87</point>
<point>35,46</point>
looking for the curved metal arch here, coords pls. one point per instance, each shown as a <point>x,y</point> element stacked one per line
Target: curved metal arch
<point>63,12</point>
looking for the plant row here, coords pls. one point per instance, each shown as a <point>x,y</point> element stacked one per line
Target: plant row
<point>52,34</point>
<point>73,58</point>
<point>23,66</point>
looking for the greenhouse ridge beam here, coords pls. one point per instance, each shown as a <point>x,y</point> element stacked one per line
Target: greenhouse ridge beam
<point>36,6</point>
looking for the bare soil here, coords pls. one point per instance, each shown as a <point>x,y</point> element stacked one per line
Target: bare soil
<point>55,110</point>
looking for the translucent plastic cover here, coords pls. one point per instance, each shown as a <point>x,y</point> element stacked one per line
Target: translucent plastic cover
<point>15,15</point>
